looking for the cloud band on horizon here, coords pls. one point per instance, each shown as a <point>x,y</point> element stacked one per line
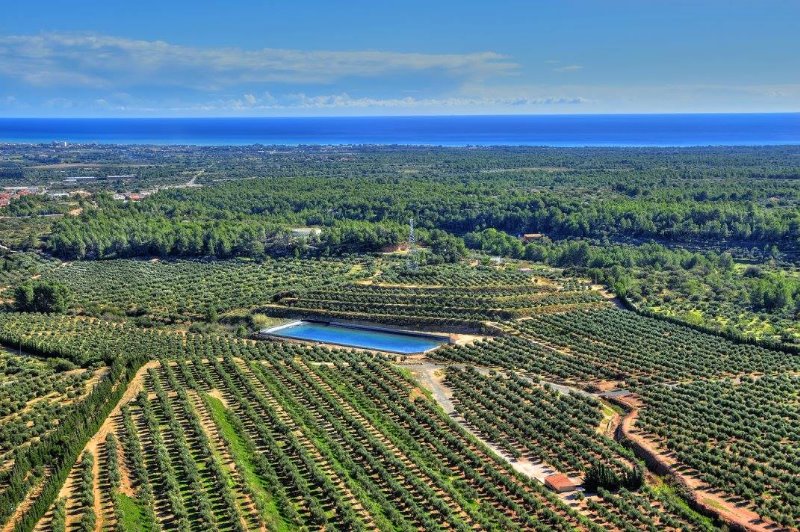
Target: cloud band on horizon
<point>90,74</point>
<point>112,62</point>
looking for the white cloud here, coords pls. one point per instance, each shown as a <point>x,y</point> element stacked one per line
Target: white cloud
<point>59,103</point>
<point>468,98</point>
<point>343,101</point>
<point>654,98</point>
<point>88,60</point>
<point>568,68</point>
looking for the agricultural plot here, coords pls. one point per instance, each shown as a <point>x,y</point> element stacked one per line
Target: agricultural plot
<point>40,466</point>
<point>34,395</point>
<point>229,434</point>
<point>438,304</point>
<point>210,432</point>
<point>349,445</point>
<point>741,436</point>
<point>84,341</point>
<point>721,414</point>
<point>646,509</point>
<point>184,289</point>
<point>488,294</point>
<point>536,423</point>
<point>630,347</point>
<point>562,429</point>
<point>455,275</point>
<point>516,353</point>
<point>622,348</point>
<point>356,288</point>
<point>509,274</point>
<point>91,341</point>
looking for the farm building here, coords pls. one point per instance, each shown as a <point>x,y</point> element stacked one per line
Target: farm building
<point>560,483</point>
<point>530,237</point>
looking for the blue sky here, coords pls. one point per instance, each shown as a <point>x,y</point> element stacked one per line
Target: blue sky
<point>282,58</point>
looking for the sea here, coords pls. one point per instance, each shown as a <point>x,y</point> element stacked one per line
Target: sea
<point>662,130</point>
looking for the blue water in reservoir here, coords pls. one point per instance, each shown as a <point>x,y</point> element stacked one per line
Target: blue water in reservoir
<point>527,130</point>
<point>363,338</point>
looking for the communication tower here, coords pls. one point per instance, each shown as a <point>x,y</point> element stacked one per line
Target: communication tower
<point>413,263</point>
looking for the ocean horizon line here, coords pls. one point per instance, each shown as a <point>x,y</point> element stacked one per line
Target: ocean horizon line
<point>563,130</point>
<point>436,115</point>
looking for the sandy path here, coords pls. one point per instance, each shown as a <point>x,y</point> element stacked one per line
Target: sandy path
<point>608,295</point>
<point>736,515</point>
<point>216,394</point>
<point>23,507</point>
<point>431,376</point>
<point>93,445</point>
<point>125,475</point>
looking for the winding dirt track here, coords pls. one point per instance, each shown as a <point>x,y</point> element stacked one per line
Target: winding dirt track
<point>93,445</point>
<point>712,501</point>
<point>430,375</point>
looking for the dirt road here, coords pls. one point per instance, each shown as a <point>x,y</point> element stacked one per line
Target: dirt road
<point>711,500</point>
<point>93,445</point>
<point>431,376</point>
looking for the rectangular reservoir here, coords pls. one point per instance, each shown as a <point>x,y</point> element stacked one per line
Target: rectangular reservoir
<point>362,337</point>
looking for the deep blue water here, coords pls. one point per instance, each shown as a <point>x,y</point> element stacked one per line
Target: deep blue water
<point>530,130</point>
<point>355,337</point>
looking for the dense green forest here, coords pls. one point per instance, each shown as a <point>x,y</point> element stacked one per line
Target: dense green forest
<point>708,235</point>
<point>235,217</point>
<point>710,197</point>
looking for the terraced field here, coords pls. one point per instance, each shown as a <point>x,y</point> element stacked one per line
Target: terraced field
<point>618,348</point>
<point>34,394</point>
<point>566,431</point>
<point>163,429</point>
<point>738,435</point>
<point>477,295</point>
<point>273,443</point>
<point>184,289</point>
<point>718,416</point>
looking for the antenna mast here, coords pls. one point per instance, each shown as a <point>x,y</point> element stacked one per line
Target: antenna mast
<point>412,264</point>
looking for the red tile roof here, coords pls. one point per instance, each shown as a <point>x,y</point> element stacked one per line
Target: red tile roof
<point>559,483</point>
